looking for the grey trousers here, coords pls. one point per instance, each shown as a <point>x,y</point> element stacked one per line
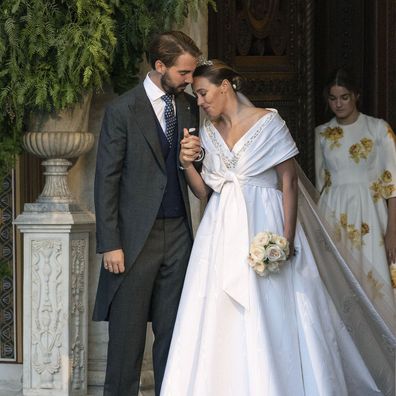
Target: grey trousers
<point>150,291</point>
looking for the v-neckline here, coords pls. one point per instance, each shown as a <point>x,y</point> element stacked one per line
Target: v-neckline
<point>232,150</point>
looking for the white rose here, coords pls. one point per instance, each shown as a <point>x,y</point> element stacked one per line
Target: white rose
<point>275,253</point>
<point>282,242</point>
<point>273,267</point>
<point>257,253</point>
<point>262,238</point>
<point>251,262</point>
<point>260,269</point>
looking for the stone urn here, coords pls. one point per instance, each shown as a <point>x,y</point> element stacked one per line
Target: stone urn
<point>58,148</point>
<point>58,139</point>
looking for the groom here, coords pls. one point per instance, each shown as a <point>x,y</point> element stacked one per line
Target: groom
<point>142,212</point>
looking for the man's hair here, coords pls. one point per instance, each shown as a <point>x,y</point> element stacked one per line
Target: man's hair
<point>168,46</point>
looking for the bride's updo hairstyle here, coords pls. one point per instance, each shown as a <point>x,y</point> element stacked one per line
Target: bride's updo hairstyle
<point>216,71</point>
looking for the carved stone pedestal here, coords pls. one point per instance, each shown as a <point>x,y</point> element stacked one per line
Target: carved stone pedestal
<point>56,238</point>
<point>56,256</point>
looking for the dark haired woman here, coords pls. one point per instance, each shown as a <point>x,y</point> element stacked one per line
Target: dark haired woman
<point>238,333</point>
<point>356,176</point>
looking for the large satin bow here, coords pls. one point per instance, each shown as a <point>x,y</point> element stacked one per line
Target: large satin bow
<point>232,234</point>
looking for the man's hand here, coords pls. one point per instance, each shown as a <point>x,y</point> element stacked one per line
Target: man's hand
<point>113,261</point>
<point>190,149</point>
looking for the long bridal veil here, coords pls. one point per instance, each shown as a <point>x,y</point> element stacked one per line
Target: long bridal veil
<point>356,290</point>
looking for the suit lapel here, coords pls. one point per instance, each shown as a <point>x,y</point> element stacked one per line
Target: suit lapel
<point>145,118</point>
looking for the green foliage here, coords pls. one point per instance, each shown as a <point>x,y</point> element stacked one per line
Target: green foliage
<point>53,51</point>
<point>136,21</point>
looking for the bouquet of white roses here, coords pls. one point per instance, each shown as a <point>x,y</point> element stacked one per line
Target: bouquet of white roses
<point>267,252</point>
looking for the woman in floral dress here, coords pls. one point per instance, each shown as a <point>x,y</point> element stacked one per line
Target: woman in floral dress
<point>356,177</point>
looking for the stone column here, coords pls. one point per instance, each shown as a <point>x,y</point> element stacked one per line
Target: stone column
<point>56,235</point>
<point>56,254</point>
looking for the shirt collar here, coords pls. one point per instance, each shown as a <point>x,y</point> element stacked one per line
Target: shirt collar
<point>153,92</point>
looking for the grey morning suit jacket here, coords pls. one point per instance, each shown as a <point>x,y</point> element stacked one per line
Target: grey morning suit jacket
<point>130,180</point>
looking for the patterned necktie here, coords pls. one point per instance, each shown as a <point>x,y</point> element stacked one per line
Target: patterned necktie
<point>170,118</point>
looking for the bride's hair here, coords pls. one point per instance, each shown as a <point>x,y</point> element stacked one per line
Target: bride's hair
<point>216,71</point>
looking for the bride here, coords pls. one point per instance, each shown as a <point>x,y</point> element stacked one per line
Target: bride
<point>238,333</point>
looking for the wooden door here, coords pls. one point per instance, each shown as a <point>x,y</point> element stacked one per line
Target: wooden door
<point>361,36</point>
<point>286,49</point>
<point>270,42</point>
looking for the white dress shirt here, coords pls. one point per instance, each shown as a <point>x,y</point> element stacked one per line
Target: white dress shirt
<point>154,94</point>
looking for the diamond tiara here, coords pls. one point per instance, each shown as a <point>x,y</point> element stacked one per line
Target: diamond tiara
<point>204,62</point>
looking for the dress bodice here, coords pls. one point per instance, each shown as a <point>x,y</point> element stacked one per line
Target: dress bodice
<point>253,157</point>
<point>250,162</point>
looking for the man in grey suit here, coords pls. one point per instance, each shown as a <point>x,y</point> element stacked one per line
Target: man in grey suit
<point>143,218</point>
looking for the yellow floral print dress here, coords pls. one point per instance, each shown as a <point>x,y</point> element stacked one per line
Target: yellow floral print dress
<point>356,174</point>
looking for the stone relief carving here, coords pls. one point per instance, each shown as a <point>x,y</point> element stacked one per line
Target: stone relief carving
<point>7,271</point>
<point>274,86</point>
<point>47,310</point>
<point>262,28</point>
<point>227,17</point>
<point>78,290</point>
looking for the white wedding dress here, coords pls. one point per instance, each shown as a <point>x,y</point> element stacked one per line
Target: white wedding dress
<point>238,334</point>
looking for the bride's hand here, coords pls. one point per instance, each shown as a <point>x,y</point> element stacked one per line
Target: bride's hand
<point>190,149</point>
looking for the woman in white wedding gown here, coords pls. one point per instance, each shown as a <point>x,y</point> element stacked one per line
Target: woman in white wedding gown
<point>238,334</point>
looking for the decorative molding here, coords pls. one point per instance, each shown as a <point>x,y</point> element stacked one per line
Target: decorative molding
<point>228,12</point>
<point>261,28</point>
<point>78,309</point>
<point>56,187</point>
<point>278,35</point>
<point>307,126</point>
<point>244,37</point>
<point>47,311</point>
<point>346,34</point>
<point>57,147</point>
<point>292,22</point>
<point>282,88</point>
<point>271,44</point>
<point>7,273</point>
<point>56,261</point>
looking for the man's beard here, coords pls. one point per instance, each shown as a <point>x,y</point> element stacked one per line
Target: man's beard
<point>169,87</point>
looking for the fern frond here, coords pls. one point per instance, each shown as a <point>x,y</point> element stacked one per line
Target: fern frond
<point>53,51</point>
